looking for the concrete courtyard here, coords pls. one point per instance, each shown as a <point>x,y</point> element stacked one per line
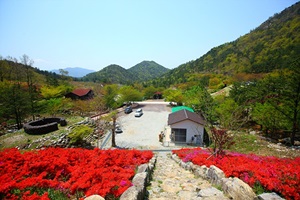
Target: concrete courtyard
<point>142,132</point>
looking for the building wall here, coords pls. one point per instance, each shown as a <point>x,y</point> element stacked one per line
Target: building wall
<point>192,129</point>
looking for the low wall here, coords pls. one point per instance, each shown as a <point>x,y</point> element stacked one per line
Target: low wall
<point>235,188</point>
<point>44,126</point>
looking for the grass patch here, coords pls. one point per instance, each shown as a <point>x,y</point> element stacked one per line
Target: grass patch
<point>246,143</point>
<point>20,138</point>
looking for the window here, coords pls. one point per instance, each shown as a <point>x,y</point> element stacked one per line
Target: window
<point>180,135</point>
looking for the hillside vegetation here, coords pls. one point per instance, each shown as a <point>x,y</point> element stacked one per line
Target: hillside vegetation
<point>273,45</point>
<point>143,71</point>
<point>110,74</point>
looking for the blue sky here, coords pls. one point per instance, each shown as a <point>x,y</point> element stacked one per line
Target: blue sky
<point>93,34</point>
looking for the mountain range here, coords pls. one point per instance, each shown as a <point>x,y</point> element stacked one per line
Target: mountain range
<point>143,71</point>
<point>76,72</point>
<point>275,44</point>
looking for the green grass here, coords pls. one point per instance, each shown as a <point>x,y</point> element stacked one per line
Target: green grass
<point>246,143</point>
<point>20,138</point>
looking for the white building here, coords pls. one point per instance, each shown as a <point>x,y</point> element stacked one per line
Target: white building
<point>185,127</point>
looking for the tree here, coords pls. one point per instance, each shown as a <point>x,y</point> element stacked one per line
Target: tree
<point>14,101</point>
<point>221,140</point>
<point>201,101</point>
<point>129,94</point>
<point>111,102</point>
<point>230,114</point>
<point>268,117</point>
<point>4,69</point>
<point>32,89</point>
<point>149,92</point>
<point>111,97</point>
<point>14,98</point>
<point>285,96</point>
<point>174,95</point>
<point>281,90</point>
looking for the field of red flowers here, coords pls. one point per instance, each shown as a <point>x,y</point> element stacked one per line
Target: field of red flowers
<point>273,174</point>
<point>57,173</point>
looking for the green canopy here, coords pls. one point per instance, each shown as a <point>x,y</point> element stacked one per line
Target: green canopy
<point>178,108</point>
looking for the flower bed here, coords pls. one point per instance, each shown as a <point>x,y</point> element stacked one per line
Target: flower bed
<point>58,173</point>
<point>273,174</point>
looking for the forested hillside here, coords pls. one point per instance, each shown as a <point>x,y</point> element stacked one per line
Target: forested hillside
<point>110,74</point>
<point>272,45</point>
<point>143,71</point>
<point>15,70</point>
<point>147,70</point>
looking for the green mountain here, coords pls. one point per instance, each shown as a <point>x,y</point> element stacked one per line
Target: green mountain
<point>110,74</point>
<point>143,71</point>
<point>147,70</point>
<point>12,70</point>
<point>273,45</point>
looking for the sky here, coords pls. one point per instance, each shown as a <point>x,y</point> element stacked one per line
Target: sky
<point>93,34</point>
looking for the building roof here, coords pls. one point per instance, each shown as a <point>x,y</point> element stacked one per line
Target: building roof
<point>178,108</point>
<point>81,92</point>
<point>184,114</point>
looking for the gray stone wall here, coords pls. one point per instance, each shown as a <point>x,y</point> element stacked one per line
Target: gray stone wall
<point>232,187</point>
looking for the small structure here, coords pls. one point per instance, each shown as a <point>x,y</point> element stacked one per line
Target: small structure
<point>80,94</point>
<point>44,126</point>
<point>185,127</point>
<point>157,95</point>
<point>178,108</point>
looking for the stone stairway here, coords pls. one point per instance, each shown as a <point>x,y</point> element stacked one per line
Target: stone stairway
<point>170,181</point>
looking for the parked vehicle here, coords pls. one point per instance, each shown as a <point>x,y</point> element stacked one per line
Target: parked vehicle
<point>118,129</point>
<point>138,112</point>
<point>128,110</point>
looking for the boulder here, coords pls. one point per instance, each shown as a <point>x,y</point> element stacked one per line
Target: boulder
<point>201,171</point>
<point>94,197</point>
<point>131,193</point>
<point>269,196</point>
<point>237,189</point>
<point>142,168</point>
<point>215,175</point>
<point>210,192</point>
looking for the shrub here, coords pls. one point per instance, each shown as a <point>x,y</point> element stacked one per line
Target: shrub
<point>221,140</point>
<point>78,133</point>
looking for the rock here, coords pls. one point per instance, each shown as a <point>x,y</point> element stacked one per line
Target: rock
<point>139,181</point>
<point>237,189</point>
<point>269,196</point>
<point>169,186</point>
<point>131,193</point>
<point>142,168</point>
<point>210,192</point>
<point>94,197</point>
<point>151,167</point>
<point>252,132</point>
<point>182,164</point>
<point>297,143</point>
<point>183,195</point>
<point>215,175</point>
<point>188,166</point>
<point>201,171</point>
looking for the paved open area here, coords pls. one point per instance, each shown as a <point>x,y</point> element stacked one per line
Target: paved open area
<point>142,132</point>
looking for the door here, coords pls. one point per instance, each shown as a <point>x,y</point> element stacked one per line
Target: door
<point>179,135</point>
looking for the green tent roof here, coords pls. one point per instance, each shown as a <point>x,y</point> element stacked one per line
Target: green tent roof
<point>178,108</point>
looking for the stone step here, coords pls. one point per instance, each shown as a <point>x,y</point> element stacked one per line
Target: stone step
<point>170,181</point>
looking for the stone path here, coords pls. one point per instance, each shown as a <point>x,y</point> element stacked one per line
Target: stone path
<point>170,181</point>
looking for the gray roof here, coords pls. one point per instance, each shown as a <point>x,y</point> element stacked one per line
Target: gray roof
<point>185,115</point>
